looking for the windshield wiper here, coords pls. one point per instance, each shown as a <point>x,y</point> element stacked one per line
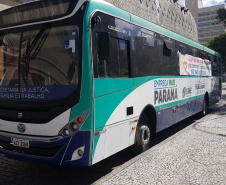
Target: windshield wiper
<point>36,40</point>
<point>26,60</point>
<point>30,47</point>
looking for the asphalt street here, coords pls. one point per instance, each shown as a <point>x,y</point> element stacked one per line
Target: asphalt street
<point>190,152</point>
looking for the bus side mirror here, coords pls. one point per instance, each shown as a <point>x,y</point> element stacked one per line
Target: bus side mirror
<point>104,46</point>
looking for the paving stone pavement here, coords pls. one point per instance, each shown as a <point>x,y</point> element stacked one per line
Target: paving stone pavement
<point>196,156</point>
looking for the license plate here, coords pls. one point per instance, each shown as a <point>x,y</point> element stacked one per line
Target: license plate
<point>20,142</point>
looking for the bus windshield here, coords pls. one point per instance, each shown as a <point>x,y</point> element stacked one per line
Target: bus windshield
<point>39,64</point>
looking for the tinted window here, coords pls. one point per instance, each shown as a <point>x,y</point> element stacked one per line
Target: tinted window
<point>110,47</point>
<point>148,39</point>
<point>117,63</point>
<point>182,49</point>
<point>47,57</point>
<point>215,67</point>
<point>203,55</point>
<point>168,47</point>
<point>220,66</point>
<point>158,60</point>
<point>195,52</point>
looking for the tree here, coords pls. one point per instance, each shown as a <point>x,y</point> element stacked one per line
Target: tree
<point>222,15</point>
<point>219,44</point>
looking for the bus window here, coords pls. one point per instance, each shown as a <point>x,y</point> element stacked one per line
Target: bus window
<point>169,46</point>
<point>203,55</point>
<point>220,66</point>
<point>215,67</point>
<point>1,62</point>
<point>194,52</point>
<point>148,39</point>
<point>123,58</point>
<point>210,58</point>
<point>117,63</point>
<point>182,49</point>
<point>207,56</point>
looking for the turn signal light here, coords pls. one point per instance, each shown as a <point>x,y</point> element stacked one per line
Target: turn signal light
<point>79,119</point>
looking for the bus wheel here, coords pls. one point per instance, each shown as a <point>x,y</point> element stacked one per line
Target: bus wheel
<point>204,108</point>
<point>143,134</point>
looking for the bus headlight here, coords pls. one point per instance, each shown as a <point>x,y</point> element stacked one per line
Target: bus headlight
<point>66,132</point>
<point>74,126</point>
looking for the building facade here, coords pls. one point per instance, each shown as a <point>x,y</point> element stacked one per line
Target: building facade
<point>4,4</point>
<point>206,19</point>
<point>165,13</point>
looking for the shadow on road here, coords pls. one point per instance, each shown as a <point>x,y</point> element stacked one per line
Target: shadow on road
<point>219,108</point>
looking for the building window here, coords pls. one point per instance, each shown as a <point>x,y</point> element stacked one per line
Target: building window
<point>204,14</point>
<point>203,20</point>
<point>203,25</point>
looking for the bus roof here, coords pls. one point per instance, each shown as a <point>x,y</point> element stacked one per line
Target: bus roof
<point>111,9</point>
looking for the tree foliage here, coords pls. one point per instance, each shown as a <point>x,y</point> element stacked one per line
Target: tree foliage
<point>222,15</point>
<point>219,44</point>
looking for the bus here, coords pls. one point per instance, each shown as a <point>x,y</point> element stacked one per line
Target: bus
<point>81,80</point>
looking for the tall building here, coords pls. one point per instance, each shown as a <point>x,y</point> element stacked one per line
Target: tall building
<point>206,19</point>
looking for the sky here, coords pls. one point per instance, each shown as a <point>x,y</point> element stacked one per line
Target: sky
<point>209,2</point>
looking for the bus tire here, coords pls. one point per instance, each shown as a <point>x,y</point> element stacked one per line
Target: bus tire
<point>143,134</point>
<point>204,108</point>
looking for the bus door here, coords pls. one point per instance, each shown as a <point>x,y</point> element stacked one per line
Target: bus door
<point>112,82</point>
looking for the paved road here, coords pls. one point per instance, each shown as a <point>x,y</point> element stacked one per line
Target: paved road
<point>191,152</point>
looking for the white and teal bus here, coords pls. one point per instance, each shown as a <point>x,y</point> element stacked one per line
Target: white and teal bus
<point>82,80</point>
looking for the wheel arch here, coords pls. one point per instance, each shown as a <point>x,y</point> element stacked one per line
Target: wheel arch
<point>150,111</point>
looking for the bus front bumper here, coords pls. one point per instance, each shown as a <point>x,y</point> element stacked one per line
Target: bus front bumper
<point>56,150</point>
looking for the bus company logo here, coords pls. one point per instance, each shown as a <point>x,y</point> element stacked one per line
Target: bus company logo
<point>186,92</point>
<point>165,91</point>
<point>21,128</point>
<point>164,83</point>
